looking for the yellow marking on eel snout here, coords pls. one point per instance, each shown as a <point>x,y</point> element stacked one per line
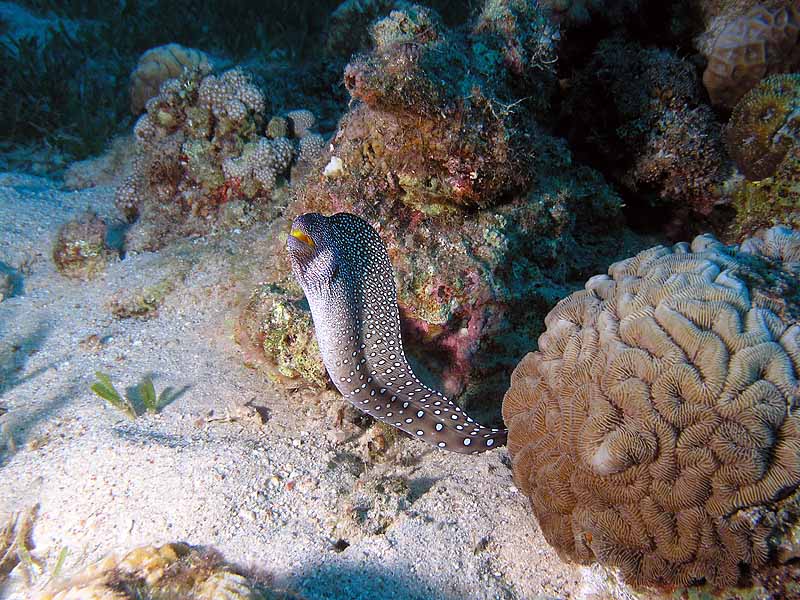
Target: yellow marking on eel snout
<point>302,236</point>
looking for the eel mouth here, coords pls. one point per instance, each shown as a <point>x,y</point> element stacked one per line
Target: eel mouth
<point>302,236</point>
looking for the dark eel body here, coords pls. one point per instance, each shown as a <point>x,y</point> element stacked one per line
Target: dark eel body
<point>344,270</point>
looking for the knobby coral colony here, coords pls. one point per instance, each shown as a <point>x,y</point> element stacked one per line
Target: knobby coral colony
<point>200,145</point>
<point>656,428</point>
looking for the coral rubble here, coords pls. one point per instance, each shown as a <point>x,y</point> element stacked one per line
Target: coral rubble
<point>80,250</point>
<point>168,572</point>
<point>656,428</point>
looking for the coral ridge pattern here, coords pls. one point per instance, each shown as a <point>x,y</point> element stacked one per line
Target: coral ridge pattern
<point>656,429</point>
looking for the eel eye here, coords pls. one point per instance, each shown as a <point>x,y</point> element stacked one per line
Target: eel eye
<point>303,237</point>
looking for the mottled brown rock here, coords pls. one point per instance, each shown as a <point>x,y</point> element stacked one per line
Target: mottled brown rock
<point>656,429</point>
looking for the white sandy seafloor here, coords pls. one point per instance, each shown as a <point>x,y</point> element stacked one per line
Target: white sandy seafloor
<point>272,494</point>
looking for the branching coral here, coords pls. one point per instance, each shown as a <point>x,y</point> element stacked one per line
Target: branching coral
<point>168,572</point>
<point>158,65</point>
<point>656,428</point>
<point>763,41</point>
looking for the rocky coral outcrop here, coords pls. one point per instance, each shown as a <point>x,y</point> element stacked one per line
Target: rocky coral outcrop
<point>274,330</point>
<point>656,428</point>
<point>640,111</point>
<point>762,41</point>
<point>477,204</point>
<point>80,250</point>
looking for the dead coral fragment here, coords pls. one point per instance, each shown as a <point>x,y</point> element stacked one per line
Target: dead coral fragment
<point>275,327</point>
<point>142,303</point>
<point>159,64</point>
<point>759,43</point>
<point>168,572</point>
<point>15,543</point>
<point>80,250</point>
<point>656,429</point>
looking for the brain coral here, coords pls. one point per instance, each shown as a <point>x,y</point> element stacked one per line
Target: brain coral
<point>760,42</point>
<point>159,64</point>
<point>657,427</point>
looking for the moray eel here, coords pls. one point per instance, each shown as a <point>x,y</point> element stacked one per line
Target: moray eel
<point>343,267</point>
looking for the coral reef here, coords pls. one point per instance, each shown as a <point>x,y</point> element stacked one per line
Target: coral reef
<point>478,206</point>
<point>655,429</point>
<point>80,250</point>
<point>762,137</point>
<point>763,41</point>
<point>168,572</point>
<point>275,326</point>
<point>640,112</point>
<point>159,64</point>
<point>201,146</point>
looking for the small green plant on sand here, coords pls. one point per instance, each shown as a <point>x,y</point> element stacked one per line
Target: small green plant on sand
<point>106,390</point>
<point>145,392</point>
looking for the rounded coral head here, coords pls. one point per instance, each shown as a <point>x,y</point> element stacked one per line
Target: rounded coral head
<point>657,428</point>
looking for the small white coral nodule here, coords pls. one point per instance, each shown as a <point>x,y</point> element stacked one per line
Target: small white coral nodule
<point>335,168</point>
